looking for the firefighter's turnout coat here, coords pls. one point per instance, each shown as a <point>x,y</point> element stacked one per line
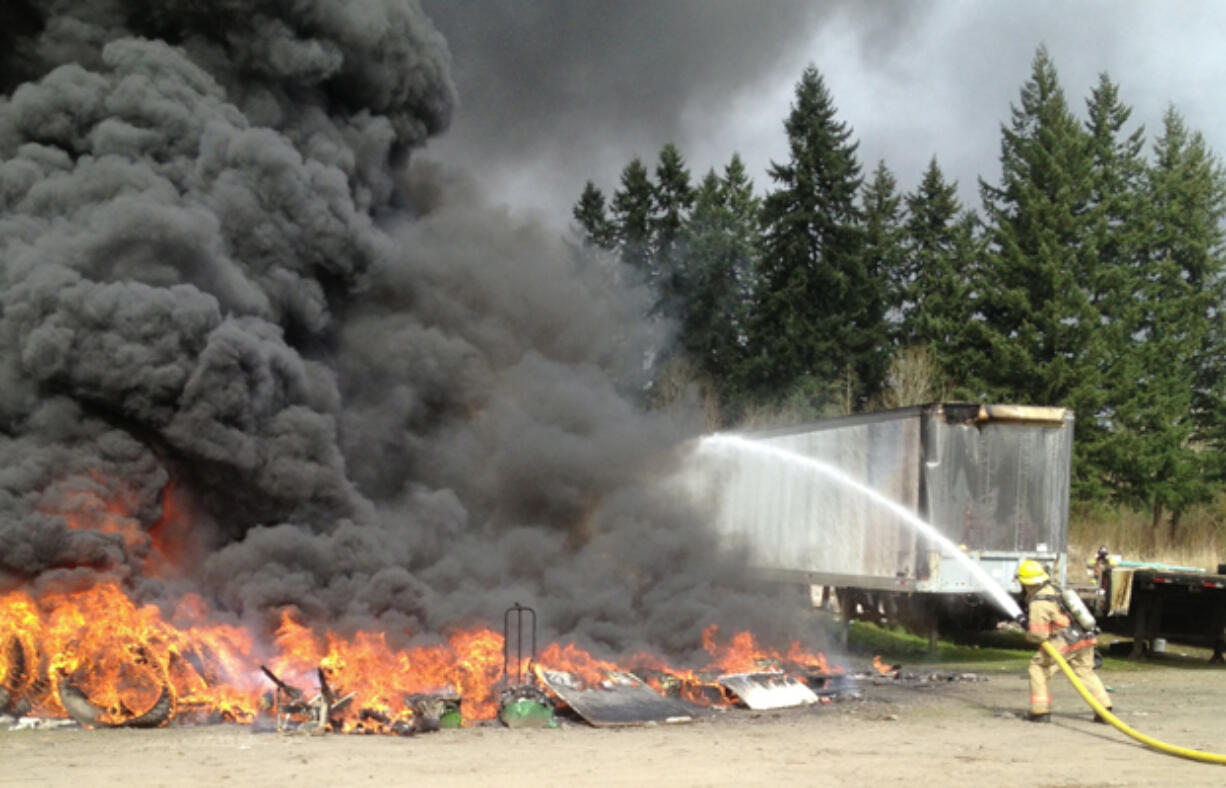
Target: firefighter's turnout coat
<point>1050,621</point>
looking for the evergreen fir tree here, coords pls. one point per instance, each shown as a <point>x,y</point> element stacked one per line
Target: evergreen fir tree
<point>949,327</point>
<point>1118,224</point>
<point>815,333</point>
<point>931,285</point>
<point>633,206</point>
<point>672,198</point>
<point>1166,451</point>
<point>721,240</point>
<point>942,250</point>
<point>1116,199</point>
<point>884,256</point>
<point>1197,245</point>
<point>592,215</point>
<point>1036,320</point>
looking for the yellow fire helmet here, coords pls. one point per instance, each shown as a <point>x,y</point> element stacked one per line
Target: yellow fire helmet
<point>1031,573</point>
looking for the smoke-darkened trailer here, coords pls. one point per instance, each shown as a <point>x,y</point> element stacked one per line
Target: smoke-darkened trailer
<point>992,479</point>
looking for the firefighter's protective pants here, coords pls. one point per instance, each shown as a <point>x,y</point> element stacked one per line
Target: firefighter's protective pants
<point>1043,667</point>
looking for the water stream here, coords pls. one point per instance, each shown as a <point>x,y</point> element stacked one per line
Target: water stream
<point>745,445</point>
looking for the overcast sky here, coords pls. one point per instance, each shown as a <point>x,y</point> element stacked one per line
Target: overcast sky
<point>557,92</point>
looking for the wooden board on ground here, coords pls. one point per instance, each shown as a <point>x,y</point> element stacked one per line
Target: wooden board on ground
<point>768,690</point>
<point>622,699</point>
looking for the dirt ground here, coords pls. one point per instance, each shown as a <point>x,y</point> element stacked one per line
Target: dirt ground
<point>956,733</point>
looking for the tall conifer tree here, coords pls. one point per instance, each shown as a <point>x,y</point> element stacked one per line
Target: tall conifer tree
<point>1167,448</point>
<point>672,198</point>
<point>720,240</point>
<point>1119,221</point>
<point>593,218</point>
<point>883,256</point>
<point>954,337</point>
<point>1036,320</point>
<point>633,206</point>
<point>933,283</point>
<point>815,334</point>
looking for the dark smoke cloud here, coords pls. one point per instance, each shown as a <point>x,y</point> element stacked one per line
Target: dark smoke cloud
<point>554,92</point>
<point>552,70</point>
<point>381,400</point>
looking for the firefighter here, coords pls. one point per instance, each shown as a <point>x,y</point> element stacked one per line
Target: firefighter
<point>1048,619</point>
<point>1100,563</point>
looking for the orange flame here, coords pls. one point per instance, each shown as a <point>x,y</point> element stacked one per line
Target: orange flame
<point>469,665</point>
<point>881,667</point>
<point>124,655</point>
<point>577,662</point>
<point>742,654</point>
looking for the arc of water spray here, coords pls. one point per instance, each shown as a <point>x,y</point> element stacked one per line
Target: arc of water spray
<point>740,443</point>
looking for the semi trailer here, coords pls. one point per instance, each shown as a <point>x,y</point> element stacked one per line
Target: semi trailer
<point>834,505</point>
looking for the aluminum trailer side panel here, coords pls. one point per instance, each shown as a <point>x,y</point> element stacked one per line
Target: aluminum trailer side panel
<point>998,485</point>
<point>797,517</point>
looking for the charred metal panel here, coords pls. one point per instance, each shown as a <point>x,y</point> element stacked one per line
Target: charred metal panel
<point>622,699</point>
<point>768,690</point>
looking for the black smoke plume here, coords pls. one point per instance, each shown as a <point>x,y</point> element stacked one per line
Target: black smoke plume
<point>374,397</point>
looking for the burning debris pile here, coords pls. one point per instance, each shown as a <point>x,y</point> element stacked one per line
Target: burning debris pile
<point>329,711</point>
<point>96,658</point>
<point>273,393</point>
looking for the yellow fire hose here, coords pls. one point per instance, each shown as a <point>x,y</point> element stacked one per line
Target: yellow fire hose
<point>1101,710</point>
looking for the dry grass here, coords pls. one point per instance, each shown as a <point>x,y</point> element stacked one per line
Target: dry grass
<point>1200,540</point>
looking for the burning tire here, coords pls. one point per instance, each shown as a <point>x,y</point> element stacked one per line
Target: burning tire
<point>16,675</point>
<point>90,715</point>
<point>158,714</point>
<point>86,714</point>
